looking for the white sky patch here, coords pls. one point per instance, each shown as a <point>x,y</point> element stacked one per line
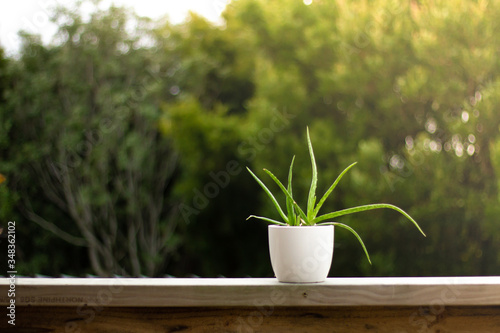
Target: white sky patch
<point>33,15</point>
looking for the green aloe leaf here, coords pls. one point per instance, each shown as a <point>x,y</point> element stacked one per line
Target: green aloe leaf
<point>314,181</point>
<point>271,196</point>
<point>266,219</point>
<point>288,195</point>
<point>327,193</point>
<point>292,219</point>
<point>345,226</point>
<point>365,208</point>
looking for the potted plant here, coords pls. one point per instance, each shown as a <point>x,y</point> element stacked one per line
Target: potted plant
<point>301,245</point>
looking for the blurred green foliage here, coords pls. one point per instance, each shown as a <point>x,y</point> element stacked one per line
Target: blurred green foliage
<point>410,90</point>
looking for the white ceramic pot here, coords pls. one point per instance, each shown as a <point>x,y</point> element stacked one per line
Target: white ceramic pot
<point>301,254</point>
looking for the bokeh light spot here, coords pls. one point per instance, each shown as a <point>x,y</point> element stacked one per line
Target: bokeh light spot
<point>465,116</point>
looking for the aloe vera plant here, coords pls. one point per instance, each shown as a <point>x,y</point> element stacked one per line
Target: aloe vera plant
<point>295,216</point>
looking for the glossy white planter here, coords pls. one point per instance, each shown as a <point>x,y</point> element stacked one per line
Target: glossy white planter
<point>301,254</point>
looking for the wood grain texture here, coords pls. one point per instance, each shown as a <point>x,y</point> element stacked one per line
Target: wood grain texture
<point>402,305</point>
<point>435,291</point>
<point>255,319</point>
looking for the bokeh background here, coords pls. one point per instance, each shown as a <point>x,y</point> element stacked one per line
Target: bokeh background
<point>124,140</point>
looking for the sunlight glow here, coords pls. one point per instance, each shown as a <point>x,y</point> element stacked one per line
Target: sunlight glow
<point>33,15</point>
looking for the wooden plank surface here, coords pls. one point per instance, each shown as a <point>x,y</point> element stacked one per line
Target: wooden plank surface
<point>118,292</point>
<point>255,319</point>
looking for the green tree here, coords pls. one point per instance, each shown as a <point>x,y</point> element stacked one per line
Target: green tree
<point>398,87</point>
<point>407,89</point>
<point>97,173</point>
<point>212,72</point>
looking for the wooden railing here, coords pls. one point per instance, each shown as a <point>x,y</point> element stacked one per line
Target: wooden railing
<point>403,305</point>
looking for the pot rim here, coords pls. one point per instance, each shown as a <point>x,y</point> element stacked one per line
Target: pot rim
<point>299,226</point>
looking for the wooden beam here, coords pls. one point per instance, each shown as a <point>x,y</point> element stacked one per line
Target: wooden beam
<point>403,305</point>
<point>254,319</point>
<point>439,291</point>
